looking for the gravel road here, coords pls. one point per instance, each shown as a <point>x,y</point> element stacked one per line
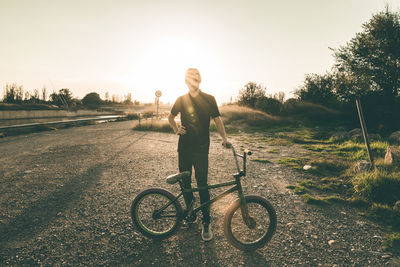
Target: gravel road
<point>65,198</point>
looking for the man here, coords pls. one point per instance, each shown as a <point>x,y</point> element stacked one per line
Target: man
<point>196,109</point>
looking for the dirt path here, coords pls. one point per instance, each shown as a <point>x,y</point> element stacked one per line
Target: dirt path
<point>65,198</point>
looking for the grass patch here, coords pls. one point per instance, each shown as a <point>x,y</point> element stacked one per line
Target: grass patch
<point>314,200</point>
<point>273,151</point>
<point>322,200</point>
<point>378,186</point>
<point>384,214</point>
<point>262,160</point>
<point>294,163</point>
<point>392,243</point>
<point>297,189</point>
<point>153,125</point>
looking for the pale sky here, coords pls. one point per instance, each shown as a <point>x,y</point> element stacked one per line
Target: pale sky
<point>138,47</point>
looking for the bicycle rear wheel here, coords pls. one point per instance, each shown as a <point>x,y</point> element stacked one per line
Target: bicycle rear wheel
<point>243,237</point>
<point>155,214</point>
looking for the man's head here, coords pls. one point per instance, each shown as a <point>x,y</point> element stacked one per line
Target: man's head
<point>193,79</point>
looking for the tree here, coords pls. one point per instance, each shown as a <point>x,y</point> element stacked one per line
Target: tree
<point>269,105</point>
<point>44,94</point>
<point>63,98</point>
<point>318,89</point>
<point>128,99</point>
<point>92,100</point>
<point>14,93</point>
<point>250,93</point>
<point>370,61</point>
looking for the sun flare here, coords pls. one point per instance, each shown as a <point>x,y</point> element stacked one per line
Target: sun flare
<point>163,65</point>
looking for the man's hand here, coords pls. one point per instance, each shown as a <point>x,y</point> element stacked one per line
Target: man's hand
<point>226,144</point>
<point>180,130</point>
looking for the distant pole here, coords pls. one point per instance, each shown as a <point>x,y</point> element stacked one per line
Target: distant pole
<point>364,131</point>
<point>158,95</point>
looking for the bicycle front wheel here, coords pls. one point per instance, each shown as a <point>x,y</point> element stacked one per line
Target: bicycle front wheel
<point>155,214</point>
<point>256,234</point>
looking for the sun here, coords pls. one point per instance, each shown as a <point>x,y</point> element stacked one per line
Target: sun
<point>163,64</point>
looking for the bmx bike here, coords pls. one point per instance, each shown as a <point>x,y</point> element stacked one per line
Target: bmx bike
<point>249,222</point>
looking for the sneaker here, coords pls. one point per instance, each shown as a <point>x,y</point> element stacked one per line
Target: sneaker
<point>206,233</point>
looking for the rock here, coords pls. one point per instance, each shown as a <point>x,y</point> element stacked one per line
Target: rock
<point>306,167</point>
<point>392,155</point>
<point>362,166</point>
<point>333,243</point>
<point>395,136</point>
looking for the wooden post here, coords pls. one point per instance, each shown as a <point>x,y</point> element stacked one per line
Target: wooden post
<point>364,131</point>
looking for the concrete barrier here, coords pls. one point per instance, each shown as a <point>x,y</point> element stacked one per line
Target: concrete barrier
<point>36,114</point>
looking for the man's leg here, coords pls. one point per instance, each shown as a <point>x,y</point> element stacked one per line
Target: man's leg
<point>185,164</point>
<point>200,163</point>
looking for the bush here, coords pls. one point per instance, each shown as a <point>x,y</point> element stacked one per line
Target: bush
<point>92,100</point>
<point>269,105</point>
<point>378,186</point>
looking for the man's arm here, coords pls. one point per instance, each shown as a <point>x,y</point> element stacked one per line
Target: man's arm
<point>177,129</point>
<point>221,131</point>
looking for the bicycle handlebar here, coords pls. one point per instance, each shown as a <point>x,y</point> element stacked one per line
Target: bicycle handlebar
<point>244,156</point>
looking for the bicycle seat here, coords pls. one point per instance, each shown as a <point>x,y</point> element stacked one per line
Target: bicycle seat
<point>177,177</point>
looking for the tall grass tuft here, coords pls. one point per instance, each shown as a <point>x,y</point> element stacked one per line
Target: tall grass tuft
<point>378,186</point>
<point>154,125</point>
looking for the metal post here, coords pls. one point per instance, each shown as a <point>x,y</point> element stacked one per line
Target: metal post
<point>364,131</point>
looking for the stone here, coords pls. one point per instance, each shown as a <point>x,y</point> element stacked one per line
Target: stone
<point>395,136</point>
<point>362,166</point>
<point>333,243</point>
<point>392,155</point>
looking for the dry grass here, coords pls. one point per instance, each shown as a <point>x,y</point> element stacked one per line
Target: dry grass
<point>252,117</point>
<point>153,125</point>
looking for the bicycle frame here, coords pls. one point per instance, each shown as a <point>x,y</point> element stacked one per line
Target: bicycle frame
<point>237,186</point>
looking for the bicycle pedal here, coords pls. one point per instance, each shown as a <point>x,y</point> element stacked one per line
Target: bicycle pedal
<point>191,218</point>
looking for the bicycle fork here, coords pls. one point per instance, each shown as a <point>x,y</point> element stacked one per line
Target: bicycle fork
<point>248,220</point>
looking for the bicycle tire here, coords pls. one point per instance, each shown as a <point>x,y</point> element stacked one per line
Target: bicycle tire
<point>239,234</point>
<point>144,208</point>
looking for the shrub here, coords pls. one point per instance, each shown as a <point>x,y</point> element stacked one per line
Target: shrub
<point>269,105</point>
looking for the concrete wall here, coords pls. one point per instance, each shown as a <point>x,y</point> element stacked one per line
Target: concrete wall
<point>30,114</point>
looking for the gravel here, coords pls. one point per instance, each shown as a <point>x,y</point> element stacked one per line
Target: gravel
<point>65,199</point>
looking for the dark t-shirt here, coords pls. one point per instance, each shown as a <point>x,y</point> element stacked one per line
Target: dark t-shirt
<point>195,117</point>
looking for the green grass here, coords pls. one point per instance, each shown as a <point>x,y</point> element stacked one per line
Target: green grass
<point>262,160</point>
<point>378,186</point>
<point>273,151</point>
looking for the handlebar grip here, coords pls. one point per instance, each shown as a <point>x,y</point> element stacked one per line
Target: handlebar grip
<point>248,152</point>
